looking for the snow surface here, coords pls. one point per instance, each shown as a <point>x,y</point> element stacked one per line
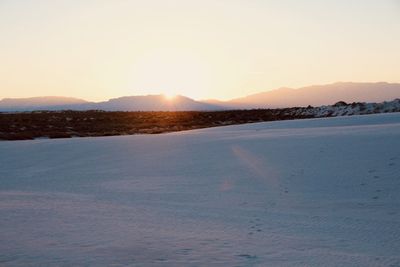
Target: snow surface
<point>319,192</point>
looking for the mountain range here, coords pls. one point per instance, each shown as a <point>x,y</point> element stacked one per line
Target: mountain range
<point>316,95</point>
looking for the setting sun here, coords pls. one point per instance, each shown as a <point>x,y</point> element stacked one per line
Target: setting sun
<point>169,96</point>
<point>169,72</point>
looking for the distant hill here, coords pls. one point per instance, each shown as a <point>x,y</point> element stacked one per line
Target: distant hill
<point>152,103</point>
<point>126,103</point>
<point>318,95</point>
<point>42,102</point>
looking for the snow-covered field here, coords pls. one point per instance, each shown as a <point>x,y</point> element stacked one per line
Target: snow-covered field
<point>320,192</point>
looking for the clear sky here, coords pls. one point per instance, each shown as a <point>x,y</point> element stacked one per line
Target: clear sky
<point>202,49</point>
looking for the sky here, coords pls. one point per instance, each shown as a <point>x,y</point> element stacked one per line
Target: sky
<point>218,49</point>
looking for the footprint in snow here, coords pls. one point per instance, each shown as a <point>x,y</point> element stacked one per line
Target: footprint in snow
<point>185,251</point>
<point>255,225</point>
<point>247,256</point>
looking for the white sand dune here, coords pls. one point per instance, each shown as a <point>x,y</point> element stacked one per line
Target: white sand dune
<point>321,192</point>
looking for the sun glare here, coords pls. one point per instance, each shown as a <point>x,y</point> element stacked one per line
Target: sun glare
<point>169,96</point>
<point>169,73</point>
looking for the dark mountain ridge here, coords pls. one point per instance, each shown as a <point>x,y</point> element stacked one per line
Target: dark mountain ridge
<point>316,95</point>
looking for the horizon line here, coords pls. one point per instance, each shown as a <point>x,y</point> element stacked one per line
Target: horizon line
<point>203,99</point>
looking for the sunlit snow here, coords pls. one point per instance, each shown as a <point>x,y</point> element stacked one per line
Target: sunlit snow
<point>320,192</point>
